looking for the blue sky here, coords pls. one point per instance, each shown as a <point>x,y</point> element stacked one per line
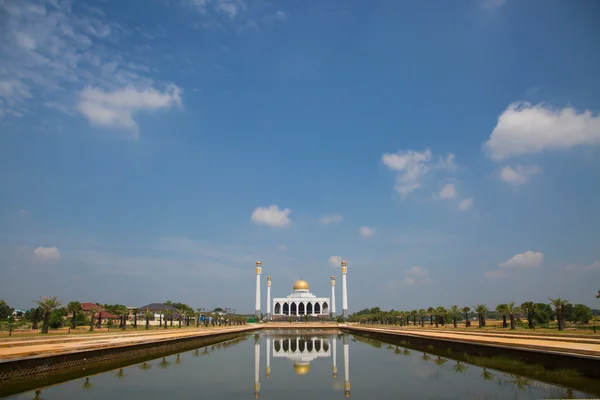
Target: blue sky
<point>448,151</point>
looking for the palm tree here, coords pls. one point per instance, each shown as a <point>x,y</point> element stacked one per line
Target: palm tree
<point>74,307</point>
<point>92,313</point>
<point>36,315</point>
<point>529,307</point>
<point>38,394</point>
<point>454,312</point>
<point>422,314</point>
<point>406,352</point>
<point>145,366</point>
<point>501,308</point>
<point>120,374</point>
<point>425,357</point>
<point>414,314</point>
<point>559,304</point>
<point>481,309</point>
<point>147,315</point>
<point>198,315</point>
<point>520,381</point>
<point>430,313</point>
<point>47,304</point>
<point>168,314</point>
<point>487,375</point>
<point>511,309</point>
<point>441,361</point>
<point>440,314</point>
<point>87,385</point>
<point>164,363</point>
<point>135,312</point>
<point>466,311</point>
<point>459,368</point>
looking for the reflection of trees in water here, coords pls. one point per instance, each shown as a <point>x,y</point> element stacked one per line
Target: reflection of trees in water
<point>178,359</point>
<point>425,357</point>
<point>397,350</point>
<point>389,347</point>
<point>520,381</point>
<point>460,368</point>
<point>406,352</point>
<point>145,366</point>
<point>120,374</point>
<point>87,385</point>
<point>441,361</point>
<point>487,375</point>
<point>38,394</point>
<point>197,353</point>
<point>164,363</point>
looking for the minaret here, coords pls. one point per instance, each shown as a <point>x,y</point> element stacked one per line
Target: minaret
<point>334,344</point>
<point>268,298</point>
<point>344,291</point>
<point>268,357</point>
<point>256,366</point>
<point>258,272</point>
<point>332,297</point>
<point>346,367</point>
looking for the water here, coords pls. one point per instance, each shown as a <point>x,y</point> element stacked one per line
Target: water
<point>304,365</point>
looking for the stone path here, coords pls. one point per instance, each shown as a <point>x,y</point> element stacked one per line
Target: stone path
<point>565,346</point>
<point>53,346</point>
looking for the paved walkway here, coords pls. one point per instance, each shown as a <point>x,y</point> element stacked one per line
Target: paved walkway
<point>565,346</point>
<point>53,346</point>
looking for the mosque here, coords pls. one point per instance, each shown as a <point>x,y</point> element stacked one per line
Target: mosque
<point>301,302</point>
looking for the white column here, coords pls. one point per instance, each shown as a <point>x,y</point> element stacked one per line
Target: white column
<point>258,272</point>
<point>256,366</point>
<point>332,296</point>
<point>268,298</point>
<point>268,357</point>
<point>346,367</point>
<point>334,344</point>
<point>344,292</point>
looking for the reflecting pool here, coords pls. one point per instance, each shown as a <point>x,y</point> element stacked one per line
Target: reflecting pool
<point>306,365</point>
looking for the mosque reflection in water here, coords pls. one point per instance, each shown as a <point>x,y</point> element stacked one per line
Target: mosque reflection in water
<point>301,350</point>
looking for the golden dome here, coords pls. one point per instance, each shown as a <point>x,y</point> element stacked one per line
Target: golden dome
<point>301,285</point>
<point>301,369</point>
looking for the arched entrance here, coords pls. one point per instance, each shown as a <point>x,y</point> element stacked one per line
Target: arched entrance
<point>301,310</point>
<point>294,310</point>
<point>286,309</point>
<point>325,308</point>
<point>309,308</point>
<point>317,308</point>
<point>277,308</point>
<point>277,346</point>
<point>318,345</point>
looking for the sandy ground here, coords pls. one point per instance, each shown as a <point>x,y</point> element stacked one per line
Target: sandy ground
<point>565,345</point>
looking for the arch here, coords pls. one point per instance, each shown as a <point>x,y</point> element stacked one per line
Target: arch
<point>309,346</point>
<point>325,346</point>
<point>277,308</point>
<point>325,308</point>
<point>293,309</point>
<point>317,308</point>
<point>301,309</point>
<point>293,345</point>
<point>318,345</point>
<point>277,345</point>
<point>286,309</point>
<point>309,308</point>
<point>301,345</point>
<point>286,345</point>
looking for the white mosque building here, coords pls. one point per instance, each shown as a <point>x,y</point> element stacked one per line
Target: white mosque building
<point>301,302</point>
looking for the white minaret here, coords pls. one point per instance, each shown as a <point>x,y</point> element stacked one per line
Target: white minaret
<point>256,366</point>
<point>334,344</point>
<point>268,357</point>
<point>344,291</point>
<point>346,367</point>
<point>268,299</point>
<point>258,272</point>
<point>332,296</point>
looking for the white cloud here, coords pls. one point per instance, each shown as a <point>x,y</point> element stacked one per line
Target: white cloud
<point>448,192</point>
<point>366,231</point>
<point>277,16</point>
<point>272,216</point>
<point>465,204</point>
<point>230,8</point>
<point>330,219</point>
<point>335,261</point>
<point>528,259</point>
<point>519,174</point>
<point>116,108</point>
<point>527,129</point>
<point>412,166</point>
<point>416,275</point>
<point>595,266</point>
<point>47,254</point>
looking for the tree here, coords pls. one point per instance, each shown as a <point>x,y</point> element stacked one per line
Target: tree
<point>511,309</point>
<point>47,304</point>
<point>582,313</point>
<point>454,312</point>
<point>147,315</point>
<point>74,308</point>
<point>559,306</point>
<point>440,316</point>
<point>135,312</point>
<point>430,313</point>
<point>5,310</point>
<point>502,309</point>
<point>598,295</point>
<point>481,309</point>
<point>57,318</point>
<point>466,311</point>
<point>168,314</point>
<point>529,307</point>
